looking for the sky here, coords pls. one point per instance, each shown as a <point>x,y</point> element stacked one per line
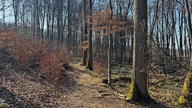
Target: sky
<point>9,15</point>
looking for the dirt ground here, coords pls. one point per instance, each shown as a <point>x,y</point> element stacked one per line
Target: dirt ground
<point>77,88</point>
<point>91,94</point>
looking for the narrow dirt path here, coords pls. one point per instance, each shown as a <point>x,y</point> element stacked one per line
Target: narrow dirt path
<point>91,94</point>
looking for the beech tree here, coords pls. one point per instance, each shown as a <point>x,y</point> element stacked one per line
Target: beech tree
<point>104,21</point>
<point>186,97</point>
<point>138,88</point>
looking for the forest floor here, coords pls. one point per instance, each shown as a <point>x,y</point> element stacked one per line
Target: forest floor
<point>77,88</point>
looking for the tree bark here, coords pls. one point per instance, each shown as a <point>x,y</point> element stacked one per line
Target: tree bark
<point>110,45</point>
<point>138,88</point>
<point>90,58</point>
<point>84,35</point>
<point>69,35</point>
<point>186,97</point>
<point>15,10</point>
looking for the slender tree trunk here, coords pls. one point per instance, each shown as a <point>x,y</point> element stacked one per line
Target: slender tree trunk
<point>3,5</point>
<point>84,36</point>
<point>52,25</point>
<point>181,35</point>
<point>173,34</point>
<point>122,40</point>
<point>59,19</point>
<point>90,58</point>
<point>37,23</point>
<point>69,35</point>
<point>162,27</point>
<point>15,9</point>
<point>23,13</point>
<point>110,45</point>
<point>43,21</point>
<point>48,22</point>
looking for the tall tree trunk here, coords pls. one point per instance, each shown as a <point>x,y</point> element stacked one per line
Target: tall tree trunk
<point>52,25</point>
<point>186,97</point>
<point>110,45</point>
<point>173,30</point>
<point>122,40</point>
<point>48,18</point>
<point>37,23</point>
<point>181,34</point>
<point>59,19</point>
<point>138,88</point>
<point>23,13</point>
<point>90,58</point>
<point>69,35</point>
<point>84,35</point>
<point>15,10</point>
<point>3,4</point>
<point>42,17</point>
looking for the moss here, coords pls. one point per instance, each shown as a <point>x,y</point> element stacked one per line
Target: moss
<point>186,84</point>
<point>4,106</point>
<point>132,94</point>
<point>103,85</point>
<point>183,99</point>
<point>152,88</point>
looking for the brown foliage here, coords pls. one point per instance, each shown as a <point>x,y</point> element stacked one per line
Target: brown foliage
<point>7,39</point>
<point>103,21</point>
<point>51,63</point>
<point>99,66</point>
<point>63,56</point>
<point>84,45</point>
<point>29,52</point>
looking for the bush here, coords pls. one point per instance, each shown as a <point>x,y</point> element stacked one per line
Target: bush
<point>7,40</point>
<point>51,63</point>
<point>33,53</point>
<point>99,66</point>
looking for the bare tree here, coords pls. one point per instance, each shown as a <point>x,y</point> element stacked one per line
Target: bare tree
<point>90,57</point>
<point>84,36</point>
<point>3,5</point>
<point>110,44</point>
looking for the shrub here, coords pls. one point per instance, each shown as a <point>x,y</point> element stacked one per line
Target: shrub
<point>63,56</point>
<point>51,63</point>
<point>29,52</point>
<point>7,40</point>
<point>99,66</point>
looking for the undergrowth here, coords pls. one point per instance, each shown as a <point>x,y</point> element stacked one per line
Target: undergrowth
<point>33,53</point>
<point>99,66</point>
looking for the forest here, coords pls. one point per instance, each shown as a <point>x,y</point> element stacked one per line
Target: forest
<point>95,54</point>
